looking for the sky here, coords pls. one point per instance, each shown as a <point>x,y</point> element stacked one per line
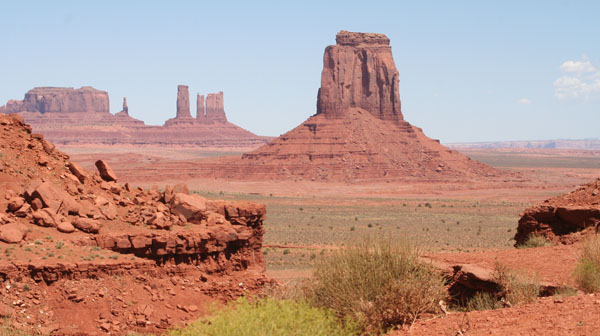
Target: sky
<point>469,70</point>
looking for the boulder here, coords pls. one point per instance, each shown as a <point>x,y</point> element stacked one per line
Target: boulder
<point>191,207</point>
<point>79,172</point>
<point>46,217</point>
<point>56,199</point>
<point>87,225</point>
<point>106,173</point>
<point>15,203</point>
<point>12,233</point>
<point>65,227</point>
<point>107,209</point>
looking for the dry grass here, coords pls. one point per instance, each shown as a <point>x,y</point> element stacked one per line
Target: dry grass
<point>517,287</point>
<point>587,271</point>
<point>377,282</point>
<point>534,240</point>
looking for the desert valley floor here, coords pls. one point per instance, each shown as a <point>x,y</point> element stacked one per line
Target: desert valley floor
<point>454,221</point>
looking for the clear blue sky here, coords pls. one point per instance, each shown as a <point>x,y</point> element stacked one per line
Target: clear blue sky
<point>469,70</point>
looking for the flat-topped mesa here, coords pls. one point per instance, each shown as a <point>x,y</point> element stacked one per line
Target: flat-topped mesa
<point>359,72</point>
<point>60,100</point>
<point>183,102</point>
<point>215,109</point>
<point>200,115</point>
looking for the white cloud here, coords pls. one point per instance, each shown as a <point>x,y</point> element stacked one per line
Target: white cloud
<point>582,81</point>
<point>577,66</point>
<point>524,101</point>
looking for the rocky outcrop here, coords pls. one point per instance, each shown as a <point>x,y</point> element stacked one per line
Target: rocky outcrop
<point>125,107</point>
<point>200,112</point>
<point>565,218</point>
<point>215,109</point>
<point>183,102</point>
<point>359,72</point>
<point>97,227</point>
<point>60,100</point>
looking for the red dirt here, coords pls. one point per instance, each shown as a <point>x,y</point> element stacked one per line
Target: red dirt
<point>577,315</point>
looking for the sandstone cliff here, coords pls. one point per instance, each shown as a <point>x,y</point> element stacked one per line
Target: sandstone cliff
<point>62,100</point>
<point>359,72</point>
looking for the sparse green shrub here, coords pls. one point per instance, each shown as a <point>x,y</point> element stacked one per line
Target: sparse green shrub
<point>587,271</point>
<point>534,240</point>
<point>517,287</point>
<point>59,245</point>
<point>378,282</point>
<point>269,316</point>
<point>286,251</point>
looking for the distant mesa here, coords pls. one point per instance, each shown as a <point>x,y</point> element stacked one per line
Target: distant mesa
<point>358,131</point>
<point>82,116</point>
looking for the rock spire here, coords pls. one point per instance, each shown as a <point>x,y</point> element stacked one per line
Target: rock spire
<point>183,102</point>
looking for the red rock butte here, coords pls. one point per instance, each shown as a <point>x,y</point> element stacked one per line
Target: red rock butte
<point>358,132</point>
<point>82,116</point>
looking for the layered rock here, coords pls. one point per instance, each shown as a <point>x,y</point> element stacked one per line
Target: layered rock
<point>97,227</point>
<point>215,108</point>
<point>200,111</point>
<point>68,117</point>
<point>565,218</point>
<point>183,102</point>
<point>60,100</point>
<point>358,132</point>
<point>359,72</point>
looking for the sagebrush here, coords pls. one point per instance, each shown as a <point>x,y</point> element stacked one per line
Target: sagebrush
<point>587,271</point>
<point>377,282</point>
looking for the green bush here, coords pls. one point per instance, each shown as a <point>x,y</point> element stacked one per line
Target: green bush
<point>587,271</point>
<point>534,240</point>
<point>269,316</point>
<point>378,283</point>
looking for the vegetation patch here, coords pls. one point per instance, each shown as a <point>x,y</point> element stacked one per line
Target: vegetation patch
<point>378,283</point>
<point>269,316</point>
<point>534,240</point>
<point>587,271</point>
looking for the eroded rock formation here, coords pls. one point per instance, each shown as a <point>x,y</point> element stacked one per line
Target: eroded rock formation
<point>359,72</point>
<point>565,218</point>
<point>60,100</point>
<point>69,116</point>
<point>215,109</point>
<point>97,227</point>
<point>358,132</point>
<point>183,102</point>
<point>200,111</point>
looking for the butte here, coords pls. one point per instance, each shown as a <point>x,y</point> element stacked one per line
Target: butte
<point>358,132</point>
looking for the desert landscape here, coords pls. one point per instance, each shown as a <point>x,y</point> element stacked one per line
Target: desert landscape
<point>353,222</point>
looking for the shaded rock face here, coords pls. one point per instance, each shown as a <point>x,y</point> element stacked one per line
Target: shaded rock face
<point>563,219</point>
<point>359,72</point>
<point>65,100</point>
<point>183,102</point>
